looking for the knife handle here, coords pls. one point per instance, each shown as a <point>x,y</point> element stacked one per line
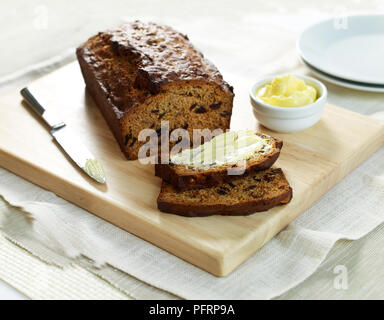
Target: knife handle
<point>50,118</point>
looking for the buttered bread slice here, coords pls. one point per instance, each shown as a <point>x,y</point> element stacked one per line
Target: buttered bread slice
<point>253,192</point>
<point>220,160</point>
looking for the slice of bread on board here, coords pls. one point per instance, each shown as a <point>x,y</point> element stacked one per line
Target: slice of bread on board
<point>184,177</point>
<point>252,192</point>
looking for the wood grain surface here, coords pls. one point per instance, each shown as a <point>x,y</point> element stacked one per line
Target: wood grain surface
<point>314,161</point>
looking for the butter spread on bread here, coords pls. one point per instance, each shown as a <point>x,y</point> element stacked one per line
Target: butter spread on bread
<point>227,148</point>
<point>217,161</point>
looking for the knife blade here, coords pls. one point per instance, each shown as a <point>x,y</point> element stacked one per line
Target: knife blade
<point>68,141</point>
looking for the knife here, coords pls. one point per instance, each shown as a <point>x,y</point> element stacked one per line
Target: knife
<point>68,141</point>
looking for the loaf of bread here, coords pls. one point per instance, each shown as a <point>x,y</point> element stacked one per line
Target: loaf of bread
<point>141,74</point>
<point>244,195</point>
<point>184,176</point>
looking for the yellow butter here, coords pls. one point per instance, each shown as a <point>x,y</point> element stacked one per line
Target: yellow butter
<point>94,169</point>
<point>287,91</point>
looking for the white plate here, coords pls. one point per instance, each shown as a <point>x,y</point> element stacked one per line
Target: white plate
<point>342,82</point>
<point>351,48</point>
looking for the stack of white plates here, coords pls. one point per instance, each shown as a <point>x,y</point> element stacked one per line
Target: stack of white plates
<point>348,51</point>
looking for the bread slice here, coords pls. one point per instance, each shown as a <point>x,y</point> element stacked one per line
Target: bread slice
<point>244,195</point>
<point>185,177</point>
<point>142,75</point>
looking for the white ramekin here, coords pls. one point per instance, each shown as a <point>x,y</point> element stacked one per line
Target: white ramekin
<point>282,119</point>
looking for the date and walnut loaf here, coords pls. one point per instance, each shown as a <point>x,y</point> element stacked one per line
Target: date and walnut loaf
<point>183,176</point>
<point>143,73</point>
<point>253,192</point>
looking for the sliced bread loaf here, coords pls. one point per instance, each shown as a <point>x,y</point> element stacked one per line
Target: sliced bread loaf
<point>258,152</point>
<point>253,192</point>
<point>141,74</point>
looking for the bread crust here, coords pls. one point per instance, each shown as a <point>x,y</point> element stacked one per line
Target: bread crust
<point>190,179</point>
<point>99,95</point>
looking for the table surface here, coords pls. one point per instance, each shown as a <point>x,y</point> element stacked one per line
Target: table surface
<point>9,293</point>
<point>28,26</point>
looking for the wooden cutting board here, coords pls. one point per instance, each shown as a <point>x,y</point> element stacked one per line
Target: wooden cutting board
<point>313,160</point>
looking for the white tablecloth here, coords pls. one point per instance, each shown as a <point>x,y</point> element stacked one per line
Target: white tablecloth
<point>245,41</point>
